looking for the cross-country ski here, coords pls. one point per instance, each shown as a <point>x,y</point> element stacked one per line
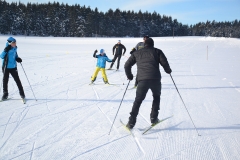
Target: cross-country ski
<point>154,124</point>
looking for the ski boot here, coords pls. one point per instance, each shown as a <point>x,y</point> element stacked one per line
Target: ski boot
<point>154,121</point>
<point>129,126</point>
<point>106,82</point>
<point>5,96</point>
<point>91,83</point>
<point>22,96</point>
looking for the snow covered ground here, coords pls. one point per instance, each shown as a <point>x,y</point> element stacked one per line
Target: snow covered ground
<point>72,120</point>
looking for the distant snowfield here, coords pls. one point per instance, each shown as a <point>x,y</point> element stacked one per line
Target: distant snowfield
<point>71,120</point>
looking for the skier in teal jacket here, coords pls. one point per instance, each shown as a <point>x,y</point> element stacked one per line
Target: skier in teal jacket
<point>9,66</point>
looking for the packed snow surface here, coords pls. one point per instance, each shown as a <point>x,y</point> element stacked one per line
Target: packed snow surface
<point>72,119</point>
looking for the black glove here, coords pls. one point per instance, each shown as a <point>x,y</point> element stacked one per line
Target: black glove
<point>169,71</point>
<point>130,77</point>
<point>95,51</point>
<point>133,50</point>
<point>113,60</point>
<point>6,49</point>
<point>19,60</point>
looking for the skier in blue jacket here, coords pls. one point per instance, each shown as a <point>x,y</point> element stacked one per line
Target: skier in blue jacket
<point>101,64</point>
<point>9,66</point>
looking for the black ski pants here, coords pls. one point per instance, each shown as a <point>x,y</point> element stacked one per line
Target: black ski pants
<point>142,89</point>
<point>116,56</point>
<point>14,73</point>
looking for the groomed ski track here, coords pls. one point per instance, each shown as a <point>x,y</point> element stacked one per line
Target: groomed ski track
<point>71,118</point>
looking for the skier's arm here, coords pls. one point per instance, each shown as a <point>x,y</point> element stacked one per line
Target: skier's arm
<point>3,55</point>
<point>94,54</point>
<point>113,48</point>
<point>136,48</point>
<point>164,62</point>
<point>18,59</point>
<point>133,50</point>
<point>124,49</point>
<point>6,49</point>
<point>109,60</point>
<point>128,66</point>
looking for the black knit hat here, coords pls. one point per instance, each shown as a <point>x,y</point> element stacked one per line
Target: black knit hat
<point>146,36</point>
<point>149,42</point>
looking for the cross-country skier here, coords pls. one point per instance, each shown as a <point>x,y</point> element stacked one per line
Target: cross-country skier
<point>101,63</point>
<point>149,77</point>
<point>139,46</point>
<point>9,66</point>
<point>118,53</point>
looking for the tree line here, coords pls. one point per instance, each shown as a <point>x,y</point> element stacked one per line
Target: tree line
<point>63,20</point>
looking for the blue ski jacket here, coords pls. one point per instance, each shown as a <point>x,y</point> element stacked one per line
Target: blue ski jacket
<point>101,62</point>
<point>12,55</point>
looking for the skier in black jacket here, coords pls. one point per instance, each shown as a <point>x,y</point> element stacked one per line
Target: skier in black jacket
<point>118,53</point>
<point>149,77</point>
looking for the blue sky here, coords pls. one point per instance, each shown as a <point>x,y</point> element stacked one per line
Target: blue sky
<point>185,11</point>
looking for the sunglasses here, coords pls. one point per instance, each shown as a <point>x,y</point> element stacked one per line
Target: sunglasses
<point>11,42</point>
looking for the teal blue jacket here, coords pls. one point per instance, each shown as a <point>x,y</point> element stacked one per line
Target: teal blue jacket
<point>102,59</point>
<point>12,55</point>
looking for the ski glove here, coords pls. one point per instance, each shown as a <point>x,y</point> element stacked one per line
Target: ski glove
<point>113,60</point>
<point>169,71</point>
<point>19,60</point>
<point>130,77</point>
<point>7,48</point>
<point>95,51</point>
<point>133,50</point>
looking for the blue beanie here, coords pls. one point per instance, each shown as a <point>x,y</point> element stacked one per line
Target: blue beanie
<point>11,39</point>
<point>102,51</point>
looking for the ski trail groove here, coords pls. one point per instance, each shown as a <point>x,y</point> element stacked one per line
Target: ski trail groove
<point>236,88</point>
<point>7,125</point>
<point>144,118</point>
<point>92,149</point>
<point>140,148</point>
<point>95,92</point>
<point>32,150</point>
<point>102,110</point>
<point>14,130</point>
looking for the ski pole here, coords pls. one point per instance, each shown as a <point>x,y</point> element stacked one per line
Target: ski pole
<point>119,108</point>
<point>3,74</point>
<point>28,81</point>
<point>185,107</point>
<point>1,86</point>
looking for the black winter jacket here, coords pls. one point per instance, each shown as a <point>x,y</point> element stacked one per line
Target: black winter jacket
<point>147,60</point>
<point>119,48</point>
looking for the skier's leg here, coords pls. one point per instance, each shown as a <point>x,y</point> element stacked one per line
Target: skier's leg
<point>114,58</point>
<point>5,81</point>
<point>95,73</point>
<point>104,75</point>
<point>118,62</point>
<point>156,93</point>
<point>16,78</point>
<point>141,92</point>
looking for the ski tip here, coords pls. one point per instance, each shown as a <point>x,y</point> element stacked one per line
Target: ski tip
<point>24,101</point>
